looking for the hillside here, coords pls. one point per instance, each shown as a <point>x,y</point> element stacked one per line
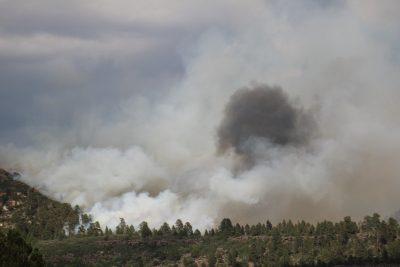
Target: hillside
<point>371,242</point>
<point>66,237</point>
<point>27,210</point>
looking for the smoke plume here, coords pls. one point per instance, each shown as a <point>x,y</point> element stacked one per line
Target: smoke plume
<point>262,112</point>
<point>120,107</point>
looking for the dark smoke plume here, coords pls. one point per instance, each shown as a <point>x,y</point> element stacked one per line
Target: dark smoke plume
<point>262,112</point>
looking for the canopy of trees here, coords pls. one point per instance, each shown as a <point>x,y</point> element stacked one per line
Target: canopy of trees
<point>372,241</point>
<point>14,251</point>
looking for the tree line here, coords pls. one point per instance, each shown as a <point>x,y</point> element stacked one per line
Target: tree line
<point>286,243</point>
<point>372,240</point>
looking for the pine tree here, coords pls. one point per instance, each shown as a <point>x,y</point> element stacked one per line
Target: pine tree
<point>179,228</point>
<point>269,225</point>
<point>165,229</point>
<point>130,231</point>
<point>144,230</point>
<point>205,233</point>
<point>81,230</point>
<point>187,229</point>
<point>197,233</point>
<point>225,227</point>
<point>121,227</point>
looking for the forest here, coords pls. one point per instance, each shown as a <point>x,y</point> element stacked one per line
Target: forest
<point>39,231</point>
<point>199,133</point>
<point>370,241</point>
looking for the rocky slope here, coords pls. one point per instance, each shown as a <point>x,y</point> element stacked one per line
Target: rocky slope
<point>26,209</point>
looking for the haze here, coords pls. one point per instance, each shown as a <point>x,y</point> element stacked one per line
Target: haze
<point>125,107</point>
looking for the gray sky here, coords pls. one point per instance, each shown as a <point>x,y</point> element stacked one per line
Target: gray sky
<point>62,59</point>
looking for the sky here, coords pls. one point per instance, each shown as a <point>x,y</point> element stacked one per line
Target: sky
<point>116,106</point>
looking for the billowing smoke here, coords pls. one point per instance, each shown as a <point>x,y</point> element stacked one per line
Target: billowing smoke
<point>265,113</point>
<point>120,107</point>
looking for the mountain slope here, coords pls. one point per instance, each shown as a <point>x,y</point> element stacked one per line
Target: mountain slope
<point>26,209</point>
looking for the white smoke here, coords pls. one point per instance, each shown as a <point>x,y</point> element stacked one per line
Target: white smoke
<point>156,160</point>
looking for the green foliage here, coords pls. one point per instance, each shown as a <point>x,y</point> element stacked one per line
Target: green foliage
<point>14,251</point>
<point>47,218</point>
<point>187,229</point>
<point>35,214</point>
<point>212,260</point>
<point>371,241</point>
<point>81,230</point>
<point>130,231</point>
<point>86,218</point>
<point>286,244</point>
<point>188,261</point>
<point>197,233</point>
<point>232,258</point>
<point>94,229</point>
<point>144,230</point>
<point>165,229</point>
<point>226,227</point>
<point>121,227</point>
<point>393,250</point>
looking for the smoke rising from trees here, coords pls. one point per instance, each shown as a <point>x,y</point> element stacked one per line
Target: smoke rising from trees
<point>262,112</point>
<point>120,108</point>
